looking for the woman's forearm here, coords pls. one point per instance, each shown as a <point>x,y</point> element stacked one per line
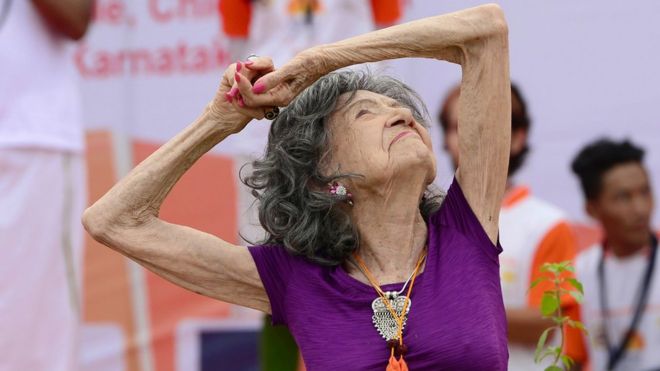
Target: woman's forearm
<point>447,37</point>
<point>138,197</point>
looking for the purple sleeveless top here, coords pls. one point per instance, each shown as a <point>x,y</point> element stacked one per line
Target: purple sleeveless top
<point>456,321</point>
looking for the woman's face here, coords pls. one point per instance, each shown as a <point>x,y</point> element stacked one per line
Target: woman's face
<point>378,137</point>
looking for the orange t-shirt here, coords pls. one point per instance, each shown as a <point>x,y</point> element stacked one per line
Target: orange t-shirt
<point>236,15</point>
<point>532,232</point>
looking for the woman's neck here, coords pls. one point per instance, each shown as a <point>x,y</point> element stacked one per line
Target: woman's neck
<point>392,235</point>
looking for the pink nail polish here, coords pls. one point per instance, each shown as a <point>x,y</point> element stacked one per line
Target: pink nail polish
<point>228,97</point>
<point>233,92</point>
<point>238,66</point>
<point>237,77</point>
<point>241,103</point>
<point>259,88</point>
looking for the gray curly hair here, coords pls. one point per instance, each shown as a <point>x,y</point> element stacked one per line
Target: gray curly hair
<point>295,208</point>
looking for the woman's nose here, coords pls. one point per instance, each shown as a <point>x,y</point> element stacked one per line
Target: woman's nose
<point>399,122</point>
<point>403,117</point>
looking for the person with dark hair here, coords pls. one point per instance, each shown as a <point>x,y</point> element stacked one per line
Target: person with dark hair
<point>619,275</point>
<point>366,264</point>
<point>532,231</point>
<point>520,125</point>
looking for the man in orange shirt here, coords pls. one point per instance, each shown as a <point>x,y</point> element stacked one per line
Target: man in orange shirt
<point>532,232</point>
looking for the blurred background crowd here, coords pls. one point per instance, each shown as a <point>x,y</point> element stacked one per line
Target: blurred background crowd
<point>89,88</point>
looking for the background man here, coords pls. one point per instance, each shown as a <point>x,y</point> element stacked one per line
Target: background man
<point>532,232</point>
<point>42,184</point>
<point>621,308</point>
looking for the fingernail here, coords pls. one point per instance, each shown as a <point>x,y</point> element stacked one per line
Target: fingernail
<point>248,63</point>
<point>228,97</point>
<point>238,66</point>
<point>237,77</point>
<point>259,88</point>
<point>240,101</point>
<point>233,92</point>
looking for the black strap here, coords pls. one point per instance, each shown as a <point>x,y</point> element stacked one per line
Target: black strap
<point>4,12</point>
<point>616,354</point>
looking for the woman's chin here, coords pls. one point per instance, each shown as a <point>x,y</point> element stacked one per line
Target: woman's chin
<point>416,167</point>
<point>417,159</point>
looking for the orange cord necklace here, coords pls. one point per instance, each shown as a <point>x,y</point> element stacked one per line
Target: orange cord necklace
<point>393,364</point>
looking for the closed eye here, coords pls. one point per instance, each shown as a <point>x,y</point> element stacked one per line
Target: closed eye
<point>361,113</point>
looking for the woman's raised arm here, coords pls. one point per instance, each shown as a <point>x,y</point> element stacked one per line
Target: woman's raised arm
<point>126,218</point>
<point>475,38</point>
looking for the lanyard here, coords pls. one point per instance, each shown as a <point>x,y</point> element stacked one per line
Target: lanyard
<point>615,354</point>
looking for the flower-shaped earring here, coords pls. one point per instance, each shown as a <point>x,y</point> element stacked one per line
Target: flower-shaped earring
<point>341,193</point>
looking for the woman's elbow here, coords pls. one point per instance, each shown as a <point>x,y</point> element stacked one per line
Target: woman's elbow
<point>489,35</point>
<point>104,225</point>
<point>496,20</point>
<point>117,229</point>
<point>96,224</point>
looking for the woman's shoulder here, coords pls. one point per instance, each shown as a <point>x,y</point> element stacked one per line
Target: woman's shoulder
<point>278,257</point>
<point>454,204</point>
<point>456,214</point>
<point>273,252</point>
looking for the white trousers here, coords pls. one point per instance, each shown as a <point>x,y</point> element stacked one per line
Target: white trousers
<point>42,195</point>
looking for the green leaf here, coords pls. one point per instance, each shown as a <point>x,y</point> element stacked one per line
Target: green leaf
<point>553,368</point>
<point>567,361</point>
<point>541,343</point>
<point>576,324</point>
<point>577,295</point>
<point>550,267</point>
<point>577,284</point>
<point>549,303</point>
<point>551,351</point>
<point>565,264</point>
<point>537,281</point>
<point>558,268</point>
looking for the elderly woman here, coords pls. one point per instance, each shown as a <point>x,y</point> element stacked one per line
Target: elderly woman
<point>366,266</point>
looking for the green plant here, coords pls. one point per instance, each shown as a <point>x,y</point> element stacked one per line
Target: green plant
<point>559,275</point>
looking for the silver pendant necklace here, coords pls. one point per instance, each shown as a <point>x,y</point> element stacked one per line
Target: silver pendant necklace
<point>385,324</point>
<point>382,319</point>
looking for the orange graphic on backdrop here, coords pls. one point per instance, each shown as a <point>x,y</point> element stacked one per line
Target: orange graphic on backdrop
<point>205,198</point>
<point>636,342</point>
<point>303,6</point>
<point>107,284</point>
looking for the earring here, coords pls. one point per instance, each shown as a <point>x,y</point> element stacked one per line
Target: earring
<point>341,192</point>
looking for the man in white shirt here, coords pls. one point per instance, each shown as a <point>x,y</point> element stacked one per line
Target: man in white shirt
<point>532,232</point>
<point>621,308</point>
<point>42,184</point>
